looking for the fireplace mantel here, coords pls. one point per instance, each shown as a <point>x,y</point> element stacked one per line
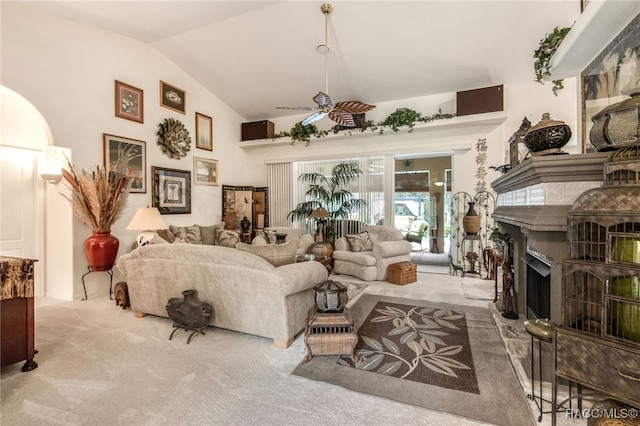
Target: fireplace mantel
<point>539,192</point>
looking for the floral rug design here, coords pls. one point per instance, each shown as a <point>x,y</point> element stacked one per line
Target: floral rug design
<point>419,343</point>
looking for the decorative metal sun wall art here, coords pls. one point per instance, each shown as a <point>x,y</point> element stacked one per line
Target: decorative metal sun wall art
<point>173,138</point>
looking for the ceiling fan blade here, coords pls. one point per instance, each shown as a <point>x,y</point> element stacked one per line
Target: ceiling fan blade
<point>313,117</point>
<point>342,118</point>
<point>354,107</point>
<point>300,108</point>
<point>323,99</point>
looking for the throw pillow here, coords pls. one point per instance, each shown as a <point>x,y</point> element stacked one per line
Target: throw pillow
<point>270,236</point>
<point>187,234</point>
<point>157,239</point>
<point>359,242</point>
<point>275,254</point>
<point>227,238</point>
<point>208,233</point>
<point>165,234</point>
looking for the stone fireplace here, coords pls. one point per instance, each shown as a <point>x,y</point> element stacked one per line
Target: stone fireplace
<point>534,199</point>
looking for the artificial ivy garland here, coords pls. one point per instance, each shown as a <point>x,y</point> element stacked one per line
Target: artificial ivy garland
<point>399,118</point>
<point>548,46</point>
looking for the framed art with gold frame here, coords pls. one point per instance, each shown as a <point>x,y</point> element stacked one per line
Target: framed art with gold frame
<point>204,132</point>
<point>129,102</point>
<point>173,98</point>
<point>206,171</point>
<point>128,157</point>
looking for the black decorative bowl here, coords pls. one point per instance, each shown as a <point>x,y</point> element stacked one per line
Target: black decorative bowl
<point>547,137</point>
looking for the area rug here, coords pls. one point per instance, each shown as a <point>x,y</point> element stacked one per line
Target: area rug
<point>437,356</point>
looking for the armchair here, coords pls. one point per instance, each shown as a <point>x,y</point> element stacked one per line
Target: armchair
<point>416,232</point>
<point>367,255</point>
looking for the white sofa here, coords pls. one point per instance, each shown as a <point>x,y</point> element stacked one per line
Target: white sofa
<point>370,262</point>
<point>305,240</point>
<point>247,293</point>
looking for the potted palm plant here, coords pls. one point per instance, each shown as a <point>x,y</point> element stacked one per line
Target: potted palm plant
<point>98,199</point>
<point>330,193</point>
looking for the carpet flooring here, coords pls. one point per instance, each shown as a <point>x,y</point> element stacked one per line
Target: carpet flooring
<point>99,365</point>
<point>462,358</point>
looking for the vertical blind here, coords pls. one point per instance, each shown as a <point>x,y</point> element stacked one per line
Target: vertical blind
<point>280,182</point>
<point>285,191</point>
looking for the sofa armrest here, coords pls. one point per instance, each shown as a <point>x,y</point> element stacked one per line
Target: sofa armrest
<point>259,240</point>
<point>297,277</point>
<point>342,244</point>
<point>305,242</point>
<point>385,249</point>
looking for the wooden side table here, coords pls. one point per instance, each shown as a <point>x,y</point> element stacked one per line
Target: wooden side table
<point>17,310</point>
<point>246,237</point>
<point>330,334</point>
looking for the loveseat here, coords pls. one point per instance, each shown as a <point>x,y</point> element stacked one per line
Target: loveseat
<point>368,254</point>
<point>247,293</point>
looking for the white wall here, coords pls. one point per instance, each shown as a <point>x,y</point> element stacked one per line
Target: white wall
<point>67,71</point>
<point>528,99</point>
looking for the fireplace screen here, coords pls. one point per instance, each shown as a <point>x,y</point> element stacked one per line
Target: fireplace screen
<point>538,287</point>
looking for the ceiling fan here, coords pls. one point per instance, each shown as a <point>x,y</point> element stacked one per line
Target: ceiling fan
<point>340,112</point>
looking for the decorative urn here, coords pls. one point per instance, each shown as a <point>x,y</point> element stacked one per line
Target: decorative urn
<point>617,125</point>
<point>547,136</point>
<point>331,296</point>
<point>245,224</point>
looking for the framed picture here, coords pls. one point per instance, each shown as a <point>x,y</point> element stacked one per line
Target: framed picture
<point>206,171</point>
<point>171,190</point>
<point>128,157</point>
<point>129,102</point>
<point>172,97</point>
<point>611,77</point>
<point>204,132</point>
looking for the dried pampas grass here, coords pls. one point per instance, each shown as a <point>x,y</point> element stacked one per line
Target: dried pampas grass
<point>98,197</point>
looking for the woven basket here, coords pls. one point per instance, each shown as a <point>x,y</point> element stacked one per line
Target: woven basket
<point>402,273</point>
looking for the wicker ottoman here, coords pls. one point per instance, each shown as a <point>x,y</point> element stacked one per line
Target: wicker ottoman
<point>402,273</point>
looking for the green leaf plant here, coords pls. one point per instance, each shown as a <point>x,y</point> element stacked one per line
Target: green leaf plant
<point>401,117</point>
<point>548,46</point>
<point>331,193</point>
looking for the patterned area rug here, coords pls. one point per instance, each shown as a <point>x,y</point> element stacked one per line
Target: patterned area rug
<point>419,343</point>
<point>433,355</point>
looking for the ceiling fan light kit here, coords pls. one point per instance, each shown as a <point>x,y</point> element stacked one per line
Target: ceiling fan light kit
<point>340,112</point>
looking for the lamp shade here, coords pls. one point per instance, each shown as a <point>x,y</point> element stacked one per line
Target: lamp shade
<point>320,212</point>
<point>146,218</point>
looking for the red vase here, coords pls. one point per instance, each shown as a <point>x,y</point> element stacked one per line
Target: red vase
<point>101,250</point>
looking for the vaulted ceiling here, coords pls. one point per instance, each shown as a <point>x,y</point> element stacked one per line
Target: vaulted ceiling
<point>257,55</point>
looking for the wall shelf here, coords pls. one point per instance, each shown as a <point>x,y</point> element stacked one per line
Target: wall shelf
<point>595,28</point>
<point>471,123</point>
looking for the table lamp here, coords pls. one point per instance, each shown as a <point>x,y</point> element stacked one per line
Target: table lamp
<point>321,249</point>
<point>320,213</point>
<point>146,219</point>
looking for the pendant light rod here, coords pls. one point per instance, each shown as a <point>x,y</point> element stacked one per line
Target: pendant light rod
<point>326,8</point>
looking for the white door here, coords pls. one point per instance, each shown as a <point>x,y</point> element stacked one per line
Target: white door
<point>18,206</point>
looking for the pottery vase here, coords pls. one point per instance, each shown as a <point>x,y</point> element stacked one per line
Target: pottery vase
<point>245,224</point>
<point>471,220</point>
<point>189,312</point>
<point>101,250</point>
